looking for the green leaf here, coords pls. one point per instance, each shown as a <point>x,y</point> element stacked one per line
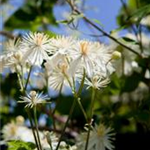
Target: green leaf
<point>128,40</point>
<point>131,82</point>
<point>20,145</point>
<point>118,29</point>
<point>98,22</point>
<point>140,13</point>
<point>63,21</point>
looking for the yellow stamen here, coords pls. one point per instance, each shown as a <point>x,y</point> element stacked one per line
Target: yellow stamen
<point>84,47</point>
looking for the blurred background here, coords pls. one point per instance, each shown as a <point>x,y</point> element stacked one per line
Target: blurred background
<point>125,103</point>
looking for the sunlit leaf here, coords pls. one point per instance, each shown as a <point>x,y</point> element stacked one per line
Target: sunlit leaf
<point>20,145</point>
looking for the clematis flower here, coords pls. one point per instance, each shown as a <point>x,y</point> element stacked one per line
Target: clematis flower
<point>100,139</point>
<point>35,47</point>
<point>12,57</point>
<point>91,56</point>
<point>62,44</point>
<point>97,82</point>
<point>60,75</point>
<point>32,99</point>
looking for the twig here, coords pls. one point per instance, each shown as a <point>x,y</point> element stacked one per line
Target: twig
<point>7,34</point>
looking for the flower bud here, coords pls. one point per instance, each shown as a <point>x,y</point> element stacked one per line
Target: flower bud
<point>116,55</point>
<point>20,120</point>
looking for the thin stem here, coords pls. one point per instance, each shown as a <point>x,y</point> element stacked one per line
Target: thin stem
<point>32,127</point>
<point>20,82</point>
<point>82,109</point>
<point>92,101</point>
<point>19,78</point>
<point>36,127</point>
<point>22,75</point>
<point>91,114</point>
<point>140,38</point>
<point>29,74</point>
<point>87,139</point>
<point>70,114</point>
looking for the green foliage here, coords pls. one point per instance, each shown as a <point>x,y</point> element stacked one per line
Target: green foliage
<point>131,11</point>
<point>20,145</point>
<point>131,82</point>
<point>140,13</point>
<point>98,22</point>
<point>32,15</point>
<point>127,40</point>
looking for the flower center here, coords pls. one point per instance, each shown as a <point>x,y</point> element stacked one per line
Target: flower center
<point>39,39</point>
<point>18,56</point>
<point>101,130</point>
<point>13,129</point>
<point>63,67</point>
<point>33,95</point>
<point>84,48</point>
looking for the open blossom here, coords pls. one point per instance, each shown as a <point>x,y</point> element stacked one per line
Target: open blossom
<point>91,56</point>
<point>35,47</point>
<point>16,130</point>
<point>100,139</point>
<point>62,44</point>
<point>12,55</point>
<point>12,45</point>
<point>97,82</point>
<point>33,98</point>
<point>60,74</point>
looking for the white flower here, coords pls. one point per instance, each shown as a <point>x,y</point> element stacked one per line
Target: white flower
<point>97,82</point>
<point>33,98</point>
<point>15,130</point>
<point>61,44</point>
<point>35,47</point>
<point>90,55</point>
<point>15,62</point>
<point>100,139</point>
<point>60,75</point>
<point>12,45</point>
<point>12,131</point>
<point>12,56</point>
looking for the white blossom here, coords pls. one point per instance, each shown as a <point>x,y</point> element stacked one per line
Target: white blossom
<point>35,47</point>
<point>33,98</point>
<point>62,44</point>
<point>91,56</point>
<point>100,139</point>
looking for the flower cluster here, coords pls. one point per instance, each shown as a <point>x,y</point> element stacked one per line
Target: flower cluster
<point>65,59</point>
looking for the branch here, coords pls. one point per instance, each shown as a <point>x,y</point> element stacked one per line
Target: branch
<point>7,34</point>
<point>74,8</point>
